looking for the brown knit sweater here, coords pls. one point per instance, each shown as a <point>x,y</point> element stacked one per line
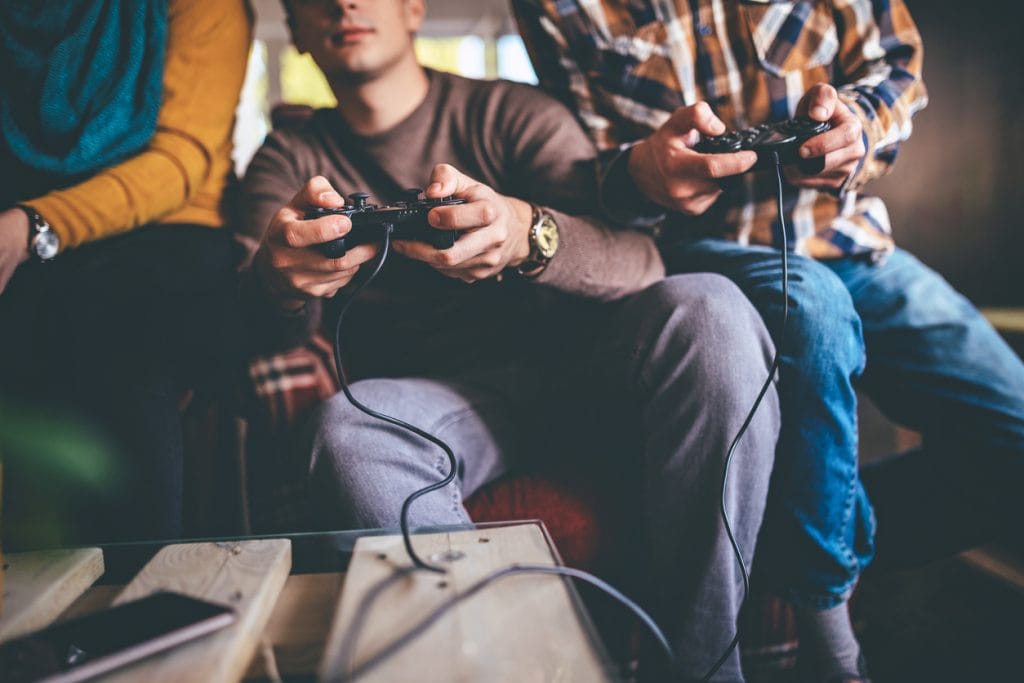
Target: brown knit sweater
<point>510,136</point>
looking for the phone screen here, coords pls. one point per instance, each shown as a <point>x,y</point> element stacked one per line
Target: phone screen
<point>98,642</point>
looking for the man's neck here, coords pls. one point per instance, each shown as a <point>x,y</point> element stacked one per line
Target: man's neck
<point>380,104</point>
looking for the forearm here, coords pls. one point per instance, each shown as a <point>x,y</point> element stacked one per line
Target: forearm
<point>885,92</point>
<point>126,196</point>
<point>621,200</point>
<point>208,44</point>
<point>597,261</point>
<point>271,327</point>
<point>559,71</point>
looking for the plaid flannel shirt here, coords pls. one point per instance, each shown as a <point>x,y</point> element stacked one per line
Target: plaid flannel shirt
<point>626,65</point>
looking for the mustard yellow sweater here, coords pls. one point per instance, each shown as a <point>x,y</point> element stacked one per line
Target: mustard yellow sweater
<point>180,176</point>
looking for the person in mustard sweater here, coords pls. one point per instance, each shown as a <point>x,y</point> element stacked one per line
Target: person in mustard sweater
<point>115,277</point>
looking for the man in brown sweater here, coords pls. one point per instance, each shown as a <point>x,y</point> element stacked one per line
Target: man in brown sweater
<point>502,346</point>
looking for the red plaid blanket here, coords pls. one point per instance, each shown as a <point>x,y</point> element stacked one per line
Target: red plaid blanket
<point>289,385</point>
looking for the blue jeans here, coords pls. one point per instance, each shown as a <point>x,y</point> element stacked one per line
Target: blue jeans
<point>898,332</point>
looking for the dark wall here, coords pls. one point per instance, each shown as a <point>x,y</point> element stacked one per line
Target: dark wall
<point>956,195</point>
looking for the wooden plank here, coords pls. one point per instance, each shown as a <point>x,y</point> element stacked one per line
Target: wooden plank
<point>521,628</point>
<point>1000,562</point>
<point>39,585</point>
<point>248,575</point>
<point>296,630</point>
<point>92,600</point>
<point>1007,320</point>
<point>299,624</point>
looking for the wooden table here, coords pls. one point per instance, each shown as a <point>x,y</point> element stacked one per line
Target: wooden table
<point>296,621</point>
<point>1006,320</point>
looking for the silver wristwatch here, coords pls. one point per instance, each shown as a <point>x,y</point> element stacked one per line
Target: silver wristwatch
<point>43,242</point>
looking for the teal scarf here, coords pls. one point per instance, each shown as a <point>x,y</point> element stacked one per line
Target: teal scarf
<point>80,83</point>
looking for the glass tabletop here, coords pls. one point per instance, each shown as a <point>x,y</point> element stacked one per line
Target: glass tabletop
<point>332,551</point>
<point>313,552</point>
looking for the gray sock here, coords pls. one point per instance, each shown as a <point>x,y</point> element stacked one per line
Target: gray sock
<point>828,636</point>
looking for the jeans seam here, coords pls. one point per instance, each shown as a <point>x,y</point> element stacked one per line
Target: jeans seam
<point>435,429</point>
<point>847,521</point>
<point>828,601</point>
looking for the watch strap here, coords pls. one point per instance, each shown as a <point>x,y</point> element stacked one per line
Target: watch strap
<point>535,262</point>
<point>42,242</point>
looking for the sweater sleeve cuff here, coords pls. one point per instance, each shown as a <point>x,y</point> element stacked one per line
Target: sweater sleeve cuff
<point>620,200</point>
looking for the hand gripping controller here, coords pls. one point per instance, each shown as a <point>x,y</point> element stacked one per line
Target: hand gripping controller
<point>407,218</point>
<point>780,137</point>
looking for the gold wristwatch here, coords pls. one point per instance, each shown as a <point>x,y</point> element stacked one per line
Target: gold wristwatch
<point>543,238</point>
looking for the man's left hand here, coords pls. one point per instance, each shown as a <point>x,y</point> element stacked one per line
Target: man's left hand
<point>494,228</point>
<point>842,146</point>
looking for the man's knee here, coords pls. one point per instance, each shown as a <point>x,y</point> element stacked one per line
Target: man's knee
<point>706,316</point>
<point>822,325</point>
<point>347,464</point>
<point>343,434</point>
<point>362,468</point>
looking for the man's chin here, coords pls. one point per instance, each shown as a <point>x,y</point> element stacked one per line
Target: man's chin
<point>351,77</point>
<point>359,74</point>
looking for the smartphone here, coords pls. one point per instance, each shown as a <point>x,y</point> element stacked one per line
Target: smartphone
<point>88,646</point>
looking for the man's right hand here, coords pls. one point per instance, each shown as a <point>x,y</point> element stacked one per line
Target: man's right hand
<point>668,171</point>
<point>286,263</point>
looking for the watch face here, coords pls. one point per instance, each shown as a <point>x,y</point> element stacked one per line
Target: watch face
<point>547,236</point>
<point>45,245</point>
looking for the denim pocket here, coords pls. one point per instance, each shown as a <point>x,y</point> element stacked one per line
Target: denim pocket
<point>791,36</point>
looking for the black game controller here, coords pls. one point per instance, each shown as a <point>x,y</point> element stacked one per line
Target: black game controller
<point>780,137</point>
<point>407,218</point>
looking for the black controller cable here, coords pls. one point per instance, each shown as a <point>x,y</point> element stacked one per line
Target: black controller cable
<point>453,467</point>
<point>421,626</point>
<point>776,362</point>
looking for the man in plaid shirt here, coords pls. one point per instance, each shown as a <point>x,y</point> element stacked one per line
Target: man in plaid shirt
<point>648,78</point>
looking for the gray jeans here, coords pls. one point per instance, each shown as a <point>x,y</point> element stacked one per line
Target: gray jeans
<point>683,360</point>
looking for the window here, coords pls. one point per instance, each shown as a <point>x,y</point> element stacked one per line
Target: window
<point>470,56</point>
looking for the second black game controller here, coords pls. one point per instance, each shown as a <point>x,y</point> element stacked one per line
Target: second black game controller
<point>407,220</point>
<point>782,138</point>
